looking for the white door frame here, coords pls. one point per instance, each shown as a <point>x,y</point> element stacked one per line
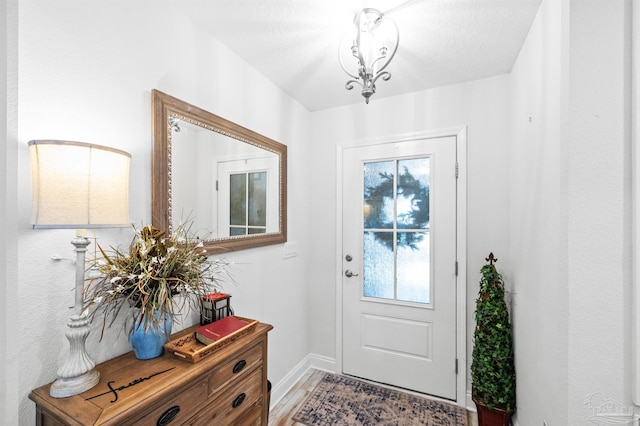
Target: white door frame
<point>461,244</point>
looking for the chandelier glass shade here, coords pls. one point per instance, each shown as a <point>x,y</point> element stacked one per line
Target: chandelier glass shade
<point>366,51</point>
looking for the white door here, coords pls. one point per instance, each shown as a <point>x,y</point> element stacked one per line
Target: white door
<point>399,264</point>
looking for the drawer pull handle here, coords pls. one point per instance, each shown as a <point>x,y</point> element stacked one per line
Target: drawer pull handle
<point>239,366</point>
<point>239,400</point>
<point>168,416</point>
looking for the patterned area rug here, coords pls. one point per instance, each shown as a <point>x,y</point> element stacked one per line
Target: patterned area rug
<point>343,401</point>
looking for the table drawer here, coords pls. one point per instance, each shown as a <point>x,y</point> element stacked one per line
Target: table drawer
<point>241,401</point>
<point>235,368</point>
<point>176,409</point>
<point>252,418</point>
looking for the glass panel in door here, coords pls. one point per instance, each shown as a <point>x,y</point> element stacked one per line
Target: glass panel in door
<point>248,203</point>
<point>397,230</point>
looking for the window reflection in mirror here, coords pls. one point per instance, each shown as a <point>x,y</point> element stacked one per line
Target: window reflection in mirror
<point>228,181</point>
<point>226,188</point>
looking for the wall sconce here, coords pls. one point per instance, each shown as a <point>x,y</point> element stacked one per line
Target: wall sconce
<point>76,185</point>
<point>374,43</point>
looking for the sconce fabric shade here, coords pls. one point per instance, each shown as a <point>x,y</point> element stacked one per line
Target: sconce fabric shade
<point>78,185</point>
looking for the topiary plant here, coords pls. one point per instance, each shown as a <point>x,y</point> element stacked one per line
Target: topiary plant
<point>492,369</point>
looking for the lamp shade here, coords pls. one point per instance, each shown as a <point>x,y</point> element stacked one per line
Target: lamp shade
<point>78,185</point>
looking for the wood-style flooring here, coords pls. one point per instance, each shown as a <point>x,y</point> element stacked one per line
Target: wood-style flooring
<point>283,411</point>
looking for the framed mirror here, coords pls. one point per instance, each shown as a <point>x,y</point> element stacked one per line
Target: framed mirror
<point>228,182</point>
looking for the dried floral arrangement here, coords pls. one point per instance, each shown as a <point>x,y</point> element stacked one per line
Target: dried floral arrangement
<point>160,274</point>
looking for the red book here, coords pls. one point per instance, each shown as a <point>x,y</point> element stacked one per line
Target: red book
<point>212,332</point>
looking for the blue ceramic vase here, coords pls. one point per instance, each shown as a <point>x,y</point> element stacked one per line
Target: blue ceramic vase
<point>148,341</point>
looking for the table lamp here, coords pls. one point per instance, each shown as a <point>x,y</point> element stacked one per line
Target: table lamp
<point>77,185</point>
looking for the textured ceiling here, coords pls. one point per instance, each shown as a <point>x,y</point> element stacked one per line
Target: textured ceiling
<point>294,43</point>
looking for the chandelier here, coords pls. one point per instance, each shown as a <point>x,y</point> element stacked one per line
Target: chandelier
<point>374,42</point>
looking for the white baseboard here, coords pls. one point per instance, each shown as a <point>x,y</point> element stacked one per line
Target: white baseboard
<point>323,363</point>
<point>471,406</point>
<point>318,362</point>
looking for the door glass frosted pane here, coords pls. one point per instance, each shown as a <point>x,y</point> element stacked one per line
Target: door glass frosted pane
<point>396,230</point>
<point>378,265</point>
<point>413,194</point>
<point>413,267</point>
<point>378,195</point>
<point>238,197</point>
<point>258,199</point>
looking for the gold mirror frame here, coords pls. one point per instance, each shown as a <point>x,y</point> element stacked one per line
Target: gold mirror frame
<point>165,107</point>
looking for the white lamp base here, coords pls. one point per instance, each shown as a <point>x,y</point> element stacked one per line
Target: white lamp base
<point>76,375</point>
<point>63,388</point>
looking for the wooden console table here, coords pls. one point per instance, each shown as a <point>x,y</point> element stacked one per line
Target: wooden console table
<point>228,387</point>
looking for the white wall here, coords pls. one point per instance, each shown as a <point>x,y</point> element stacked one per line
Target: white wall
<point>570,211</point>
<point>635,221</point>
<point>86,70</point>
<point>538,220</point>
<point>4,178</point>
<point>9,352</point>
<point>482,106</point>
<point>598,202</point>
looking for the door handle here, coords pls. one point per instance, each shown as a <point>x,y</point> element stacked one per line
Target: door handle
<point>349,274</point>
